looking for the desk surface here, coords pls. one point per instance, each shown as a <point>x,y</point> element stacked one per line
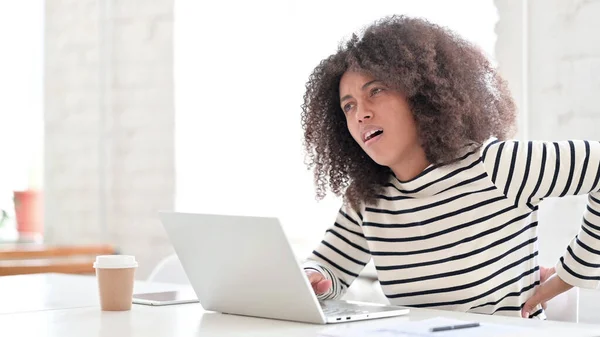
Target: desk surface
<point>38,292</point>
<point>67,305</point>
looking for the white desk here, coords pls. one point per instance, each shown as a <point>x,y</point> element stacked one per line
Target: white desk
<point>45,306</point>
<point>37,292</point>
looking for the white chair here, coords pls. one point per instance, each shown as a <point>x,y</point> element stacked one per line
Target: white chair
<point>559,221</point>
<point>169,270</point>
<point>366,288</point>
<point>564,307</point>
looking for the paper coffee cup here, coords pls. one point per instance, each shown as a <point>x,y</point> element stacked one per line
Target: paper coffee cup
<point>116,275</point>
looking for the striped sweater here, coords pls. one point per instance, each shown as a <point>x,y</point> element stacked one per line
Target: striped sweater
<point>463,237</point>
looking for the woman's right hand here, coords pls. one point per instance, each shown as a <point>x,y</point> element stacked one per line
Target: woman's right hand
<point>318,282</point>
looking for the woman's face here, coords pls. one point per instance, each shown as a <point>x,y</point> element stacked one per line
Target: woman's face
<point>380,121</point>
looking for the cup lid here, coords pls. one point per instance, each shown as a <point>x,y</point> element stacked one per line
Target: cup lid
<point>115,261</point>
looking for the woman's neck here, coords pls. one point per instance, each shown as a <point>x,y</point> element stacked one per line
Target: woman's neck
<point>411,166</point>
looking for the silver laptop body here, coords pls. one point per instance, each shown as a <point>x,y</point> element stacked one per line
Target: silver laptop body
<point>245,265</point>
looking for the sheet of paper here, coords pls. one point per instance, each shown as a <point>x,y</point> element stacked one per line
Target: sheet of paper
<point>421,329</point>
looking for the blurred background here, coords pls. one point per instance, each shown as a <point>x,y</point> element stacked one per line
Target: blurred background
<point>113,110</point>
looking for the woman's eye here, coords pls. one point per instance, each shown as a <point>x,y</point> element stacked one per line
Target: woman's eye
<point>375,91</point>
<point>347,107</point>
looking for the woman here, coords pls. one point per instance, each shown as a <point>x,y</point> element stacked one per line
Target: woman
<point>409,122</point>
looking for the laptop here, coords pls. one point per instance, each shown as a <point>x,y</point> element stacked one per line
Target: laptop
<point>244,265</point>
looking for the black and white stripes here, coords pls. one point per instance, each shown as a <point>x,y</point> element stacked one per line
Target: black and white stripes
<point>464,236</point>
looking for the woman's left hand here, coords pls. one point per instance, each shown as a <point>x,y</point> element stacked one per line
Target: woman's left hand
<point>551,286</point>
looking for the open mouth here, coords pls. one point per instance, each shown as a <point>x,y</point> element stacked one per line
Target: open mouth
<point>371,135</point>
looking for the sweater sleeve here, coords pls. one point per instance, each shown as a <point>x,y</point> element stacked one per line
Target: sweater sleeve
<point>528,172</point>
<point>342,254</point>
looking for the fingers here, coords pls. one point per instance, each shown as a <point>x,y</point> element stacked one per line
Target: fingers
<point>314,276</point>
<point>322,287</point>
<point>545,274</point>
<point>318,282</point>
<point>530,305</point>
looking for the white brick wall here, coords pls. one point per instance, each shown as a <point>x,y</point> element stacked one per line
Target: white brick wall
<point>109,124</point>
<point>556,80</point>
<point>564,69</point>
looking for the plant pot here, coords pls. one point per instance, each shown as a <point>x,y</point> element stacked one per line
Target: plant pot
<point>29,212</point>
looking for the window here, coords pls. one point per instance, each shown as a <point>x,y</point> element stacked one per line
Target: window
<point>21,102</point>
<point>240,71</point>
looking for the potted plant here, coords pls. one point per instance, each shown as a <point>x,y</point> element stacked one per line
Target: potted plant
<point>28,201</point>
<point>28,212</point>
<point>27,206</point>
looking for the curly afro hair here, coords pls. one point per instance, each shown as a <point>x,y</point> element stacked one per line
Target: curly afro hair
<point>456,96</point>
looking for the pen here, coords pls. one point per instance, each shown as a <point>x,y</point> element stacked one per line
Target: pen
<point>454,327</point>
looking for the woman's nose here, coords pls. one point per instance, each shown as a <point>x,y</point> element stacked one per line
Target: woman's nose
<point>363,114</point>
